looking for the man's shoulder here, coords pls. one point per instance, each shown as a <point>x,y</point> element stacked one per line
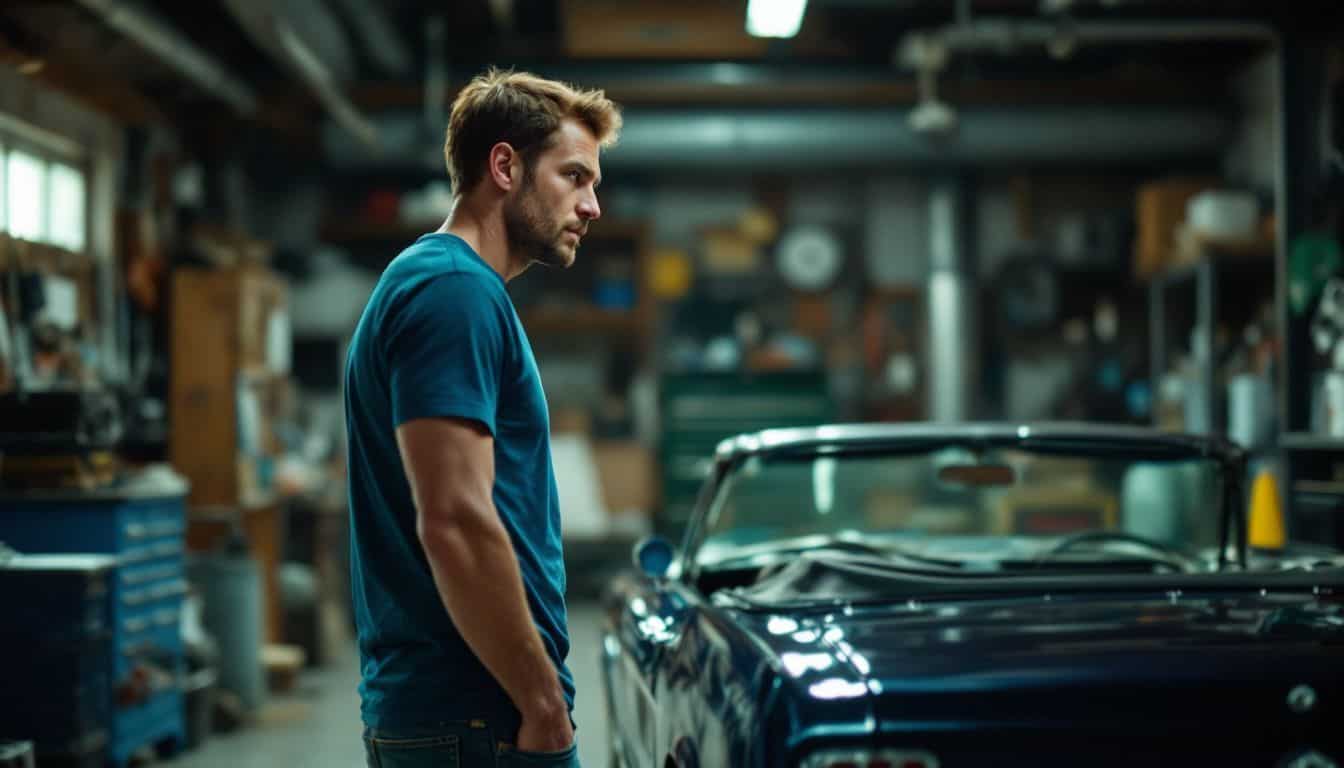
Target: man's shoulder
<point>440,265</point>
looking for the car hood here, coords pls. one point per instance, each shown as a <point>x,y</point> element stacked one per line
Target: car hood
<point>1057,658</point>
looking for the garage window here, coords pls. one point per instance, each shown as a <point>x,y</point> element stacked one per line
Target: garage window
<point>25,196</point>
<point>44,201</point>
<point>65,216</point>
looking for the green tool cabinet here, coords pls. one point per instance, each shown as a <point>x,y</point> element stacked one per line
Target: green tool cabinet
<point>700,409</point>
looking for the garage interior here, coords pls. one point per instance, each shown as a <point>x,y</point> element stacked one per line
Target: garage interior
<point>1111,211</point>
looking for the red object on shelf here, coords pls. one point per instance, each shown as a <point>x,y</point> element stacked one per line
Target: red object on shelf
<point>382,206</point>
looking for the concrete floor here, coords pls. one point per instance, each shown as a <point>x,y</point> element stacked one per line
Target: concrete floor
<point>319,726</point>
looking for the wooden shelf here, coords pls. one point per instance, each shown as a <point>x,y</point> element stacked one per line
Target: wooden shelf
<point>1248,262</point>
<point>1307,441</point>
<point>585,319</point>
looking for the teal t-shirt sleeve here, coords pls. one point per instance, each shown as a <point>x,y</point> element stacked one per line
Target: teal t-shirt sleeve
<point>445,350</point>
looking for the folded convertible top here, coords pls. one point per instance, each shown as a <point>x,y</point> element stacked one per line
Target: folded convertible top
<point>825,580</point>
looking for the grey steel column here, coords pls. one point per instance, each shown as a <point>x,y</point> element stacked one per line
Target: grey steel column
<point>952,330</point>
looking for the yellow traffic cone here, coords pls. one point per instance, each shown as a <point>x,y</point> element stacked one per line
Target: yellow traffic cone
<point>1266,513</point>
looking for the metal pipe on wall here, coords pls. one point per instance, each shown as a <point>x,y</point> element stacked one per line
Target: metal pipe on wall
<point>825,139</point>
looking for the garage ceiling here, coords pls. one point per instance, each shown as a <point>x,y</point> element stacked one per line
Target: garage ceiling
<point>684,53</point>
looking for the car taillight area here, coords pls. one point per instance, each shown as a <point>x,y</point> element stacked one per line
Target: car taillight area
<point>884,758</point>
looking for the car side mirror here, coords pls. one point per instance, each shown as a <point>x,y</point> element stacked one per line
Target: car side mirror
<point>653,557</point>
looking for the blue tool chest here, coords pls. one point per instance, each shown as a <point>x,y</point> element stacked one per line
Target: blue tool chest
<point>146,534</point>
<point>58,621</point>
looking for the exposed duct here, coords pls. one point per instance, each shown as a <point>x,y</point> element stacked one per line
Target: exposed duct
<point>273,32</point>
<point>796,139</point>
<point>157,37</point>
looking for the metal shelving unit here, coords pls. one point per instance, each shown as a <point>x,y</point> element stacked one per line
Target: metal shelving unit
<point>1207,276</point>
<point>1312,464</point>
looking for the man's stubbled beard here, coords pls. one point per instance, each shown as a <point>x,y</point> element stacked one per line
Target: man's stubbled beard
<point>529,231</point>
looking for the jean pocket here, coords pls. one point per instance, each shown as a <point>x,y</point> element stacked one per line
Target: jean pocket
<point>438,751</point>
<point>565,758</point>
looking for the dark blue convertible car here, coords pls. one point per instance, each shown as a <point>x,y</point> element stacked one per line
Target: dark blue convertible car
<point>884,596</point>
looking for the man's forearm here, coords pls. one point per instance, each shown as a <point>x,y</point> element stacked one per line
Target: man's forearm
<point>476,571</point>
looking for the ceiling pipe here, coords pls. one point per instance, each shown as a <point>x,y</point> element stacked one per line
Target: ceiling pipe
<point>160,39</point>
<point>1005,36</point>
<point>927,52</point>
<point>275,34</point>
<point>886,137</point>
<point>380,40</point>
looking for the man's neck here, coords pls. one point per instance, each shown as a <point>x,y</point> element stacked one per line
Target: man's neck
<point>483,229</point>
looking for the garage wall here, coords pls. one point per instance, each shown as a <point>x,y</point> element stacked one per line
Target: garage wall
<point>890,213</point>
<point>896,230</point>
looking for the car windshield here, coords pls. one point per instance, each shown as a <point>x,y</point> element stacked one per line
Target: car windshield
<point>956,505</point>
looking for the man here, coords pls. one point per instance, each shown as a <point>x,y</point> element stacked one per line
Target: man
<point>457,569</point>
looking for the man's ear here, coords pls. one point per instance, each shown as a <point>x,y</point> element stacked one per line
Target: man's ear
<point>501,165</point>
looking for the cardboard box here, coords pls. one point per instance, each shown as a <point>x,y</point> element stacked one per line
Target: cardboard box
<point>625,471</point>
<point>571,420</point>
<point>1159,210</point>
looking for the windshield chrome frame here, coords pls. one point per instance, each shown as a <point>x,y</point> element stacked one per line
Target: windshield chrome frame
<point>1078,440</point>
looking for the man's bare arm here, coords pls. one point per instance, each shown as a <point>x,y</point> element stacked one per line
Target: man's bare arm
<point>450,464</point>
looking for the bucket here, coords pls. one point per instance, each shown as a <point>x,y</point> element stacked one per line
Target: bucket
<point>230,586</point>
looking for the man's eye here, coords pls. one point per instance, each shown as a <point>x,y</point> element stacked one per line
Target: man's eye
<point>574,175</point>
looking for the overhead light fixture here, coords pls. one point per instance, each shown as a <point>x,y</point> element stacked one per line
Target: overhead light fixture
<point>775,18</point>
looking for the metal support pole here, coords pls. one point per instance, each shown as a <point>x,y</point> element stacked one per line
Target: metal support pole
<point>1157,340</point>
<point>951,308</point>
<point>1206,312</point>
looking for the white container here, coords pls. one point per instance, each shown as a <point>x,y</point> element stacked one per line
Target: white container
<point>1249,409</point>
<point>1223,214</point>
<point>1334,404</point>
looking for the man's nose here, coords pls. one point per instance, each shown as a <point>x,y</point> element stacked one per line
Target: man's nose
<point>588,209</point>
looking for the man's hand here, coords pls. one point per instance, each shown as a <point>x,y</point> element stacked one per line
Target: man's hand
<point>546,731</point>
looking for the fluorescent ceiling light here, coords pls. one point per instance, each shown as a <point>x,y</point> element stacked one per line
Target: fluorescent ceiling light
<point>775,18</point>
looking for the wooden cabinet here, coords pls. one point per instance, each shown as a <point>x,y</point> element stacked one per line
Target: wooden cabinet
<point>225,380</point>
<point>229,360</point>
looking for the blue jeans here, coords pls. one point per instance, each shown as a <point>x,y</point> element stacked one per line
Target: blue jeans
<point>470,744</point>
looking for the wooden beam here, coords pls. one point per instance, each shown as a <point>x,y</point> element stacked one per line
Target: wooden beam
<point>55,68</point>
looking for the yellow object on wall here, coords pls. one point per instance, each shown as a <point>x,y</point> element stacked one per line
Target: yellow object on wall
<point>1267,529</point>
<point>670,273</point>
<point>758,224</point>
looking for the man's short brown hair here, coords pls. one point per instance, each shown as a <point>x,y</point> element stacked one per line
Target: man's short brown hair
<point>523,110</point>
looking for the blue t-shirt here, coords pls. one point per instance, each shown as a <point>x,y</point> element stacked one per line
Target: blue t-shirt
<point>440,337</point>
